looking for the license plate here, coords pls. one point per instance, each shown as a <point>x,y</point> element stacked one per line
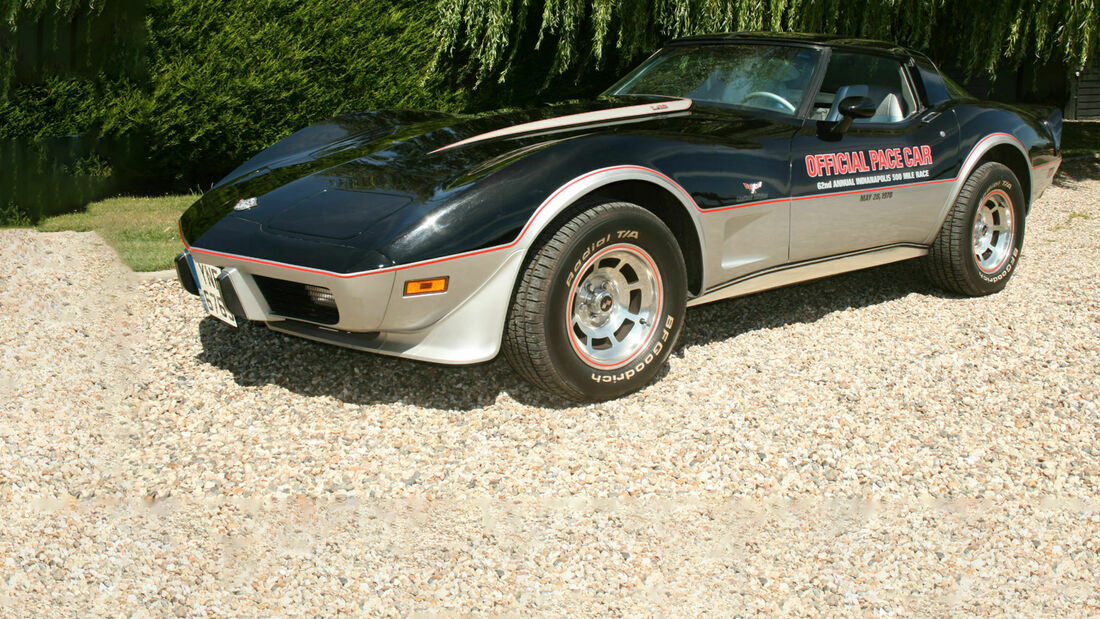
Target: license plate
<point>211,294</point>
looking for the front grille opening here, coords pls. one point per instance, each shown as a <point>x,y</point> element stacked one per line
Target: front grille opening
<point>321,296</point>
<point>296,300</point>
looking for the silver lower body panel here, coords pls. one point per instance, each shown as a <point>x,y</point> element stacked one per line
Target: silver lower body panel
<point>463,325</point>
<point>809,270</point>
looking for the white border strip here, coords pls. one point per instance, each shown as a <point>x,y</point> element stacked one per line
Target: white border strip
<point>631,111</point>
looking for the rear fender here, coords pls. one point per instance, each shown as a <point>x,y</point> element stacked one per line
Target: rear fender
<point>976,157</point>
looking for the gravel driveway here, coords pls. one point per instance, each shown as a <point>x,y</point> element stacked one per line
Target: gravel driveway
<point>856,445</point>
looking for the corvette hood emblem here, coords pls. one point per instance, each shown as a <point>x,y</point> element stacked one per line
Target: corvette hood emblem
<point>245,204</point>
<point>753,187</point>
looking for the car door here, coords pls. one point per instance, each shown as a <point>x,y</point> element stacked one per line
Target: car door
<point>883,181</point>
<point>732,154</point>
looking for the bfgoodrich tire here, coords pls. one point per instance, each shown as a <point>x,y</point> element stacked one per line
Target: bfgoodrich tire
<point>599,305</point>
<point>978,248</point>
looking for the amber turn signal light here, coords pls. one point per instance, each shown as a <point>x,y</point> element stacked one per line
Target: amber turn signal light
<point>426,286</point>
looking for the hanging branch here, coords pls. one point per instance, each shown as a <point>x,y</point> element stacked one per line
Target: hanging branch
<point>977,35</point>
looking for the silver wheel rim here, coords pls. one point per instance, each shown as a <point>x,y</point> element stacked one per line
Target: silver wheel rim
<point>614,304</point>
<point>994,231</point>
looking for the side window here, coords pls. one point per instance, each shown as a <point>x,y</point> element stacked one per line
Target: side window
<point>863,75</point>
<point>936,88</point>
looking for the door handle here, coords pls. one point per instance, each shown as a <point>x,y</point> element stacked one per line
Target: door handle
<point>929,117</point>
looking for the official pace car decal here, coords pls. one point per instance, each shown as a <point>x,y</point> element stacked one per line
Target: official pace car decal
<point>867,163</point>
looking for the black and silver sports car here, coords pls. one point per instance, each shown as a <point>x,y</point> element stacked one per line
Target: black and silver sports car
<point>574,236</point>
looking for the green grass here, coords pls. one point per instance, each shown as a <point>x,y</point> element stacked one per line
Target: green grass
<point>1072,216</point>
<point>142,230</point>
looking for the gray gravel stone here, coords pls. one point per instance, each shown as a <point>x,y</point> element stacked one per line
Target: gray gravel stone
<point>861,444</point>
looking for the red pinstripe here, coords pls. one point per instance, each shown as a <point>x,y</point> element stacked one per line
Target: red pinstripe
<point>562,189</point>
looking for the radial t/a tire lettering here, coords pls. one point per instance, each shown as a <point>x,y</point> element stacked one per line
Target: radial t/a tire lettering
<point>978,247</point>
<point>599,305</point>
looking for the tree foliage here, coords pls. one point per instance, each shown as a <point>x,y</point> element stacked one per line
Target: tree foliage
<point>174,93</point>
<point>218,80</point>
<point>487,36</point>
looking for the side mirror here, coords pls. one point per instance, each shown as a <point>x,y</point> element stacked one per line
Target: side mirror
<point>852,108</point>
<point>857,107</point>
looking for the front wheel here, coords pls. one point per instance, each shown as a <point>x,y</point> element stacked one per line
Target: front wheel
<point>599,306</point>
<point>978,248</point>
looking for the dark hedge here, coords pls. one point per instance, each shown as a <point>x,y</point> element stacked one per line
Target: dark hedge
<point>217,81</point>
<point>49,176</point>
<point>230,78</point>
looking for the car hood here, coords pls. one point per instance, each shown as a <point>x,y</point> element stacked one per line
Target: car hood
<point>351,176</point>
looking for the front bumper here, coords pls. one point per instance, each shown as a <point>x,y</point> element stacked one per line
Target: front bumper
<point>462,325</point>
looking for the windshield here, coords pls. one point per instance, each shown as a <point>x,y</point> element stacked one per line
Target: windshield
<point>770,77</point>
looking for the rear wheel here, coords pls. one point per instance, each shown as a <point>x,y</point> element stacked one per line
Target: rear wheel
<point>979,245</point>
<point>599,305</point>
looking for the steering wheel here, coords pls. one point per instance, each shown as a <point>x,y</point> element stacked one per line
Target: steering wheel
<point>771,96</point>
